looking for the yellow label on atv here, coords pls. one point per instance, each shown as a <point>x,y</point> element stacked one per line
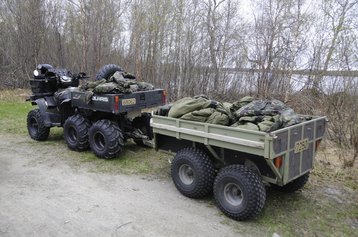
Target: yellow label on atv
<point>131,101</point>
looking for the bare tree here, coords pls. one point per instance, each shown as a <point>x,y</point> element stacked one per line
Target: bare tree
<point>337,15</point>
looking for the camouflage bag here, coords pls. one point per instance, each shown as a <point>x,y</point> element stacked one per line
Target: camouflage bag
<point>145,86</point>
<point>265,126</point>
<point>288,118</point>
<point>105,88</point>
<point>261,107</point>
<point>268,118</point>
<point>122,77</point>
<point>212,112</point>
<point>163,110</point>
<point>92,84</point>
<point>248,125</point>
<point>218,118</point>
<point>227,106</point>
<point>112,88</point>
<point>220,107</point>
<point>126,80</point>
<point>242,102</point>
<point>88,96</point>
<point>251,119</point>
<point>128,75</point>
<point>187,105</point>
<point>134,88</point>
<point>199,115</point>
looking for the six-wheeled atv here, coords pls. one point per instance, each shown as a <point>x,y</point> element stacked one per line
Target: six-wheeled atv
<point>102,122</point>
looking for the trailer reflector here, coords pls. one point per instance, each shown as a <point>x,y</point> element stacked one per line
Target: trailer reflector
<point>318,142</point>
<point>278,162</point>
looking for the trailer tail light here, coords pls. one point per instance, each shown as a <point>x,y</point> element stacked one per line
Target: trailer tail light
<point>278,162</point>
<point>318,142</point>
<point>164,97</point>
<point>116,103</point>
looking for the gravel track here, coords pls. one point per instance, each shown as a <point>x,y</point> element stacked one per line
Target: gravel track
<point>42,194</point>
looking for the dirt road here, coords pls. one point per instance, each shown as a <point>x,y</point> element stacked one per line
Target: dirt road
<point>42,194</point>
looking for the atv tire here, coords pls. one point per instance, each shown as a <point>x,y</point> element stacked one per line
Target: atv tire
<point>75,132</point>
<point>107,71</point>
<point>294,185</point>
<point>239,192</point>
<point>193,173</point>
<point>105,139</point>
<point>36,126</point>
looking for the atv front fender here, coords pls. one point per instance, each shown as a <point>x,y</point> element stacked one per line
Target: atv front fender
<point>42,104</point>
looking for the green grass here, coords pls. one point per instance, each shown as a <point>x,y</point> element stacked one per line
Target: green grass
<point>312,212</point>
<point>308,213</point>
<point>13,117</point>
<point>132,160</point>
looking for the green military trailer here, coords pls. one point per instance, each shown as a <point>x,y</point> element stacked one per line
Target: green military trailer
<point>236,164</point>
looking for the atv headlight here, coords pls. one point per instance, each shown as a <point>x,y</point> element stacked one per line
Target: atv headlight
<point>66,79</point>
<point>36,73</point>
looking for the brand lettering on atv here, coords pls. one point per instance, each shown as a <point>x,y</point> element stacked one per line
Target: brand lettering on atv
<point>99,98</point>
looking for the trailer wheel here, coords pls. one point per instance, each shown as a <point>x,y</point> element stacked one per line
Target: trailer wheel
<point>239,192</point>
<point>36,126</point>
<point>193,173</point>
<point>106,139</point>
<point>294,185</point>
<point>75,132</point>
<point>107,71</point>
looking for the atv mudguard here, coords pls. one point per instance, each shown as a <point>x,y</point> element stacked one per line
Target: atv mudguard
<point>43,105</point>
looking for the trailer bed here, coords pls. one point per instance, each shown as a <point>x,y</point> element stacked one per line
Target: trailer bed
<point>297,143</point>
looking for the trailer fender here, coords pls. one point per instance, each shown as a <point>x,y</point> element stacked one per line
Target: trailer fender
<point>42,104</point>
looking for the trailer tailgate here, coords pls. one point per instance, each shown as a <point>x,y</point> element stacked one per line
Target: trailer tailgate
<point>297,145</point>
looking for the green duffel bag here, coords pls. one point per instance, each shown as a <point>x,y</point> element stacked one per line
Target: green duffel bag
<point>187,105</point>
<point>249,126</point>
<point>218,118</point>
<point>251,119</point>
<point>199,115</point>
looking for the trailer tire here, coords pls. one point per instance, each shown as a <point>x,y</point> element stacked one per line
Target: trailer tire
<point>36,126</point>
<point>294,185</point>
<point>75,132</point>
<point>106,139</point>
<point>107,71</point>
<point>193,173</point>
<point>239,192</point>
